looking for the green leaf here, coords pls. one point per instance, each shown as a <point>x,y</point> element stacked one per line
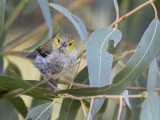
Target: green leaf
<point>41,112</point>
<point>69,109</point>
<point>2,14</point>
<point>140,60</point>
<point>99,61</point>
<point>10,84</point>
<point>88,117</point>
<point>82,76</point>
<point>135,103</point>
<point>12,67</point>
<point>19,104</point>
<point>151,107</point>
<point>152,76</point>
<point>7,111</point>
<point>47,15</point>
<point>78,24</point>
<point>30,7</point>
<point>1,65</point>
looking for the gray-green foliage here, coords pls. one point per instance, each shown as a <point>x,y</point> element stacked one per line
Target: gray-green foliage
<point>97,73</point>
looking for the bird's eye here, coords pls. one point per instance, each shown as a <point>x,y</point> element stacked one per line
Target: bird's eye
<point>58,40</point>
<point>70,44</point>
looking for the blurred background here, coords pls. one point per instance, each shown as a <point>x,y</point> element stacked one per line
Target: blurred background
<point>25,29</point>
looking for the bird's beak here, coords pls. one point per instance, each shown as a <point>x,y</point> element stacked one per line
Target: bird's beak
<point>64,44</point>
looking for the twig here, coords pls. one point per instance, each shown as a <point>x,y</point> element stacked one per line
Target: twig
<point>90,108</point>
<point>155,10</point>
<point>120,108</point>
<point>117,11</point>
<point>83,107</point>
<point>131,13</point>
<point>105,96</point>
<point>67,82</point>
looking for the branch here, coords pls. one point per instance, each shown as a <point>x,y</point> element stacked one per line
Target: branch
<point>144,94</point>
<point>131,12</point>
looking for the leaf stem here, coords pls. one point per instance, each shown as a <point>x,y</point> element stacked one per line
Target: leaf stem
<point>154,8</point>
<point>120,108</point>
<point>117,12</point>
<point>131,12</point>
<point>83,107</point>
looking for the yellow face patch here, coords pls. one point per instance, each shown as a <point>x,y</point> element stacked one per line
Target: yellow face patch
<point>71,46</point>
<point>56,42</point>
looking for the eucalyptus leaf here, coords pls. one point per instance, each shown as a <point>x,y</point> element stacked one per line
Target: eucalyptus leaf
<point>99,61</point>
<point>152,76</point>
<point>7,111</point>
<point>82,76</point>
<point>2,14</point>
<point>138,63</point>
<point>151,107</point>
<point>47,15</point>
<point>12,67</point>
<point>41,112</point>
<point>1,65</point>
<point>78,24</point>
<point>10,84</point>
<point>30,7</point>
<point>69,109</point>
<point>19,104</point>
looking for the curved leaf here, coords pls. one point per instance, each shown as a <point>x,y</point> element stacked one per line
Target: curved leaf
<point>140,60</point>
<point>99,61</point>
<point>19,104</point>
<point>152,76</point>
<point>47,15</point>
<point>151,107</point>
<point>80,27</point>
<point>41,112</point>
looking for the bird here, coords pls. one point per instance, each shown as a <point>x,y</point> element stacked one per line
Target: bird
<point>55,56</point>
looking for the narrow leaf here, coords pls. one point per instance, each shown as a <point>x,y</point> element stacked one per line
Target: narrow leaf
<point>47,15</point>
<point>152,76</point>
<point>1,65</point>
<point>151,107</point>
<point>7,111</point>
<point>69,109</point>
<point>140,60</point>
<point>41,112</point>
<point>78,24</point>
<point>19,104</point>
<point>2,14</point>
